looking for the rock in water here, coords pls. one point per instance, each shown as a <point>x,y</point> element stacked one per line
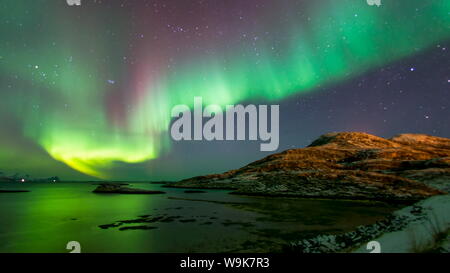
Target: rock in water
<point>348,165</point>
<point>118,188</point>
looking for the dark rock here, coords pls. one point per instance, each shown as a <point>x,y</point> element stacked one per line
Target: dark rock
<point>109,226</point>
<point>137,228</point>
<point>187,220</point>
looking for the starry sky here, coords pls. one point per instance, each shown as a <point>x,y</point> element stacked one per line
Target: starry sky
<point>86,92</point>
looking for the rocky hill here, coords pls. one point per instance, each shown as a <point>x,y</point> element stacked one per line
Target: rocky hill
<point>348,165</point>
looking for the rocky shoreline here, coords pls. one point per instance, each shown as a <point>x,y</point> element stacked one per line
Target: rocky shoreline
<point>354,166</point>
<point>331,243</point>
<point>423,227</point>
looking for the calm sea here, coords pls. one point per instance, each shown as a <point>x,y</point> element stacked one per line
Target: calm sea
<point>50,215</point>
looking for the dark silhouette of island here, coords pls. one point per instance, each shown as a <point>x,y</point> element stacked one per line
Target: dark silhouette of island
<point>26,178</point>
<point>122,189</point>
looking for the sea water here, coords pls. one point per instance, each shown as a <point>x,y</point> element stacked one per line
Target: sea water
<point>53,214</point>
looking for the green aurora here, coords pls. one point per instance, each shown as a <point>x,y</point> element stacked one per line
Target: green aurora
<point>89,112</point>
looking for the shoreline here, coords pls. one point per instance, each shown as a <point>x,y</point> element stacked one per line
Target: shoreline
<point>234,191</point>
<point>419,228</point>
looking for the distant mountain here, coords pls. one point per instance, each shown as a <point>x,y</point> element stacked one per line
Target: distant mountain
<point>27,178</point>
<point>349,165</point>
<point>6,179</point>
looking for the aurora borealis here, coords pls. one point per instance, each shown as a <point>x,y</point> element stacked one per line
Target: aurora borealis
<point>92,87</point>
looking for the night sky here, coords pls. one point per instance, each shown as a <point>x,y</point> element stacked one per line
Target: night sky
<point>86,92</point>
